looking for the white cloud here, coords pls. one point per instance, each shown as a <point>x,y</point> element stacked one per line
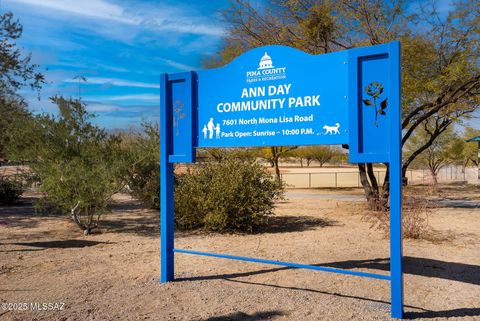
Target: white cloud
<point>177,65</point>
<point>97,9</point>
<point>114,82</point>
<point>99,107</point>
<point>139,97</point>
<point>190,25</point>
<point>112,68</point>
<point>159,17</point>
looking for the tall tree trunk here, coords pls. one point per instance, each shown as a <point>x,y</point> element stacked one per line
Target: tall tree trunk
<point>371,176</point>
<point>386,185</point>
<point>434,177</point>
<point>377,201</point>
<point>75,218</point>
<point>89,213</point>
<point>369,192</point>
<point>277,169</point>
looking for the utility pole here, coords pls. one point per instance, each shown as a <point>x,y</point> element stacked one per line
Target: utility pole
<point>80,78</point>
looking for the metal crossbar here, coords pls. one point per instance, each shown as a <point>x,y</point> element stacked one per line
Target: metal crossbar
<point>288,264</point>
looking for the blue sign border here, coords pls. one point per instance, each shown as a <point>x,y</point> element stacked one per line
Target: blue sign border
<point>368,142</point>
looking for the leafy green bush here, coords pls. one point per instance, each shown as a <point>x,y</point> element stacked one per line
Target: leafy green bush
<point>231,195</point>
<point>145,184</point>
<point>144,171</point>
<point>79,165</point>
<point>10,191</point>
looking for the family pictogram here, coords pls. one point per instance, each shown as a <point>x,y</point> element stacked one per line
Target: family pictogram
<point>209,129</point>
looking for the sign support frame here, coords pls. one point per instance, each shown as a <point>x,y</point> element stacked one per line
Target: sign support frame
<point>396,246</point>
<point>392,156</point>
<point>166,185</point>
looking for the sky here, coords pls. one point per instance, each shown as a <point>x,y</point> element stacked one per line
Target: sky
<point>120,47</point>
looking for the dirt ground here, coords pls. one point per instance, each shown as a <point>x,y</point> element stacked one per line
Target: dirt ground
<point>113,274</point>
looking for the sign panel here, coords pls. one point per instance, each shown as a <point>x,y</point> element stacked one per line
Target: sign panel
<point>274,96</point>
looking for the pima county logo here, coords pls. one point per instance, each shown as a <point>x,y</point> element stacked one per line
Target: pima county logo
<point>266,71</point>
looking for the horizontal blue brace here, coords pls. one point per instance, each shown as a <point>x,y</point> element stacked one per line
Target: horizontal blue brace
<point>289,264</point>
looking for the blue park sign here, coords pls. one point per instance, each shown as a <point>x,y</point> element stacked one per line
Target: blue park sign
<point>276,96</point>
<point>269,100</point>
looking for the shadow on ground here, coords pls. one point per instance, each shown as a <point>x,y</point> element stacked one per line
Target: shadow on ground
<point>24,206</point>
<point>458,203</point>
<point>421,313</point>
<point>460,272</point>
<point>131,217</point>
<point>147,225</point>
<point>240,316</point>
<point>284,224</point>
<point>127,206</point>
<point>19,214</point>
<point>454,271</point>
<point>126,217</point>
<point>386,304</point>
<point>454,313</point>
<point>63,244</point>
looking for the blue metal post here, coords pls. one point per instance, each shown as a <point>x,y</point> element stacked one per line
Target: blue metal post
<point>396,268</point>
<point>166,184</point>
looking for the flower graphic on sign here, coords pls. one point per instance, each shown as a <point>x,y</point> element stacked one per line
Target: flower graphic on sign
<point>374,90</point>
<point>177,115</point>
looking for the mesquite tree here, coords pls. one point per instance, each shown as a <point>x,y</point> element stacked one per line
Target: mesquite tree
<point>440,76</point>
<point>273,155</point>
<point>143,151</point>
<point>444,150</point>
<point>16,72</point>
<point>79,165</point>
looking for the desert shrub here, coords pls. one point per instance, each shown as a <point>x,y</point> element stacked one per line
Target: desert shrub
<point>145,184</point>
<point>79,165</point>
<point>415,224</point>
<point>231,195</point>
<point>10,191</point>
<point>144,170</point>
